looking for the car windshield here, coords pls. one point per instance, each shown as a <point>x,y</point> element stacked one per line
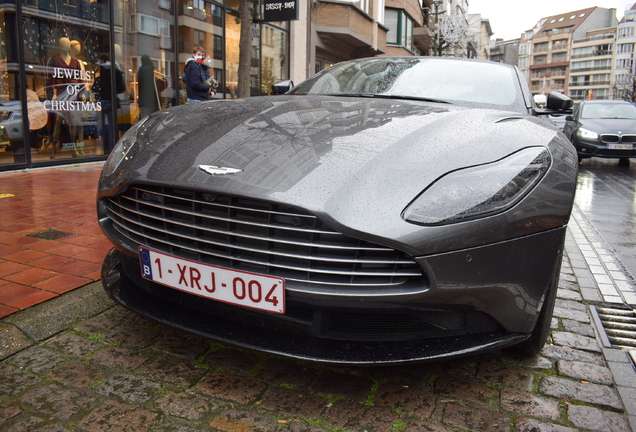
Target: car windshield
<point>609,111</point>
<point>443,80</point>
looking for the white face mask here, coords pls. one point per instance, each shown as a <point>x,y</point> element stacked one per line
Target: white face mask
<point>209,62</point>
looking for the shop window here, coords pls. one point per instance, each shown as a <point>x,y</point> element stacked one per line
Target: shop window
<point>71,100</point>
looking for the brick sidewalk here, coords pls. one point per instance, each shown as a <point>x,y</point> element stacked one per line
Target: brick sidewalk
<point>50,242</point>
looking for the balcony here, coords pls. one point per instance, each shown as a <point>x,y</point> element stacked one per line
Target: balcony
<point>590,69</point>
<point>589,83</point>
<point>596,53</point>
<point>424,38</point>
<point>347,30</point>
<point>608,36</point>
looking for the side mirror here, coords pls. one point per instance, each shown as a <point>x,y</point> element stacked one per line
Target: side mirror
<point>559,102</point>
<point>282,87</point>
<point>569,118</point>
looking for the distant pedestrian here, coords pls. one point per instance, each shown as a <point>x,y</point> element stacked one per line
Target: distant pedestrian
<point>197,72</point>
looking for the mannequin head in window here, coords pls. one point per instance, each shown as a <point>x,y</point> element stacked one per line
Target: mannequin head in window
<point>65,45</point>
<point>76,48</point>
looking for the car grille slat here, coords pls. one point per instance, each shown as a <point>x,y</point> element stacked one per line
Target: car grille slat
<point>221,226</point>
<point>256,241</point>
<point>254,236</point>
<point>616,138</point>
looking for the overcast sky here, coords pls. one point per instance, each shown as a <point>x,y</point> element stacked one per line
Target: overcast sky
<point>509,18</point>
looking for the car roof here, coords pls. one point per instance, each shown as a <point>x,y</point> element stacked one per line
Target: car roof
<point>433,58</point>
<point>606,101</point>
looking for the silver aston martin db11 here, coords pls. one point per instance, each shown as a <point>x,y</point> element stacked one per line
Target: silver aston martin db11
<point>386,210</point>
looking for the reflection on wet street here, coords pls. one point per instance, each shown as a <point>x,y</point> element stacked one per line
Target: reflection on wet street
<point>606,195</point>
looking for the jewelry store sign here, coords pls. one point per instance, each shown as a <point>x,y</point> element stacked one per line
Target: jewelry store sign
<point>276,10</point>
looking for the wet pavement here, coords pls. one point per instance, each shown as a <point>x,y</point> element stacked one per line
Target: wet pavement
<point>606,194</point>
<point>77,362</point>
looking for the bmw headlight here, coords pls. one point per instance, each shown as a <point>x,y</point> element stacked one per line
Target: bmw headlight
<point>479,191</point>
<point>125,149</point>
<point>586,133</point>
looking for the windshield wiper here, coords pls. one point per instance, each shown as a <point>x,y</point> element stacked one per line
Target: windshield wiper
<point>387,96</point>
<point>425,99</point>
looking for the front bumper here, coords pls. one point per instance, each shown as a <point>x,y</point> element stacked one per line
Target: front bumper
<point>597,148</point>
<point>482,299</point>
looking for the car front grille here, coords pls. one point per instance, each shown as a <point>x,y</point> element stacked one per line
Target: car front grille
<point>615,138</point>
<point>254,236</point>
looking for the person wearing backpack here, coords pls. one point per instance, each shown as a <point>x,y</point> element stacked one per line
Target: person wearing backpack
<point>197,76</point>
<point>102,89</point>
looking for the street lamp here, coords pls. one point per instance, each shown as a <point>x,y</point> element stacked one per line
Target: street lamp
<point>437,12</point>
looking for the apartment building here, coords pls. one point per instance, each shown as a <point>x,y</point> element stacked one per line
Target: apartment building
<point>478,35</point>
<point>525,53</point>
<point>551,44</point>
<point>591,65</point>
<point>505,51</point>
<point>624,71</point>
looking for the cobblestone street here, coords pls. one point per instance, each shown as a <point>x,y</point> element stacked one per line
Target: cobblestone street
<point>78,363</point>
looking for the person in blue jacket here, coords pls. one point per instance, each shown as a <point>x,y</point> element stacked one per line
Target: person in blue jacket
<point>197,76</point>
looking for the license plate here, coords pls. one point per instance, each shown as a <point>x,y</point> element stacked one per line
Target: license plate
<point>217,283</point>
<point>620,146</point>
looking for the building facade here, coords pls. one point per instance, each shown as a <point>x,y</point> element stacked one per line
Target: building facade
<point>552,43</point>
<point>505,51</point>
<point>624,72</point>
<point>478,35</point>
<point>591,65</point>
<point>85,71</point>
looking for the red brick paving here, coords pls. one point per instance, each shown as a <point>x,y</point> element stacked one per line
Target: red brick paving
<point>11,292</point>
<point>33,270</point>
<point>6,310</point>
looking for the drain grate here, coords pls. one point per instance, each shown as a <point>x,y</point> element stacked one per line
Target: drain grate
<point>619,325</point>
<point>51,234</point>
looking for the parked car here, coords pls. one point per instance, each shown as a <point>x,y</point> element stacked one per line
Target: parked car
<point>558,120</point>
<point>386,210</point>
<point>10,122</point>
<point>603,128</point>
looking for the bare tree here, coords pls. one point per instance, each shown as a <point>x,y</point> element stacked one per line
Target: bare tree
<point>246,13</point>
<point>625,86</point>
<point>454,48</point>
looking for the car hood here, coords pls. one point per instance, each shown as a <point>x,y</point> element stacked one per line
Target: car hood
<point>354,162</point>
<point>609,125</point>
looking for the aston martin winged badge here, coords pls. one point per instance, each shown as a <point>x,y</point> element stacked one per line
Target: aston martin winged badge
<point>216,170</point>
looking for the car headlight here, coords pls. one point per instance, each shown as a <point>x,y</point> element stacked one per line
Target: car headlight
<point>479,191</point>
<point>125,149</point>
<point>586,133</point>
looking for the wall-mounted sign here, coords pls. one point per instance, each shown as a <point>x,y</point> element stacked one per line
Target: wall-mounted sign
<point>277,10</point>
